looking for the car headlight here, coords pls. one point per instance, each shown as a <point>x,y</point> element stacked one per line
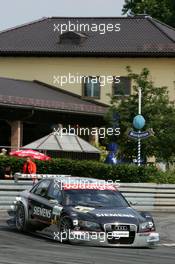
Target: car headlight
<point>146,226</point>
<point>89,225</point>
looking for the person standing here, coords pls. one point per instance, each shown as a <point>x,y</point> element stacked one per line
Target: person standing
<point>3,152</point>
<point>6,173</point>
<point>29,166</point>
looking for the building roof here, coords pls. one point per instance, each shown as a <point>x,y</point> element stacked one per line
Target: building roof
<point>62,142</point>
<point>138,36</point>
<point>35,94</point>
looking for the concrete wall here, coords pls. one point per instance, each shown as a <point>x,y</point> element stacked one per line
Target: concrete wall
<point>43,69</point>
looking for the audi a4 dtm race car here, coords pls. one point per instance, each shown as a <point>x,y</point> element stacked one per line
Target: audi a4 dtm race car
<point>91,212</point>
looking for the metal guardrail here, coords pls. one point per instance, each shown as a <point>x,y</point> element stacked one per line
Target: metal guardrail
<point>147,196</point>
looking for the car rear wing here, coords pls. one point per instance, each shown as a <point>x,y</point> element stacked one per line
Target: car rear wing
<point>20,176</point>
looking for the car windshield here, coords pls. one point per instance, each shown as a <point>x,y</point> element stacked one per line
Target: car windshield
<point>95,198</point>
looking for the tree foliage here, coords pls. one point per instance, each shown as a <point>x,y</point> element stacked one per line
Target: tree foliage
<point>158,112</point>
<point>163,10</point>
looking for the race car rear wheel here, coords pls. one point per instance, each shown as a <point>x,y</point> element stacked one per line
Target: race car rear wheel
<point>20,218</point>
<point>65,227</point>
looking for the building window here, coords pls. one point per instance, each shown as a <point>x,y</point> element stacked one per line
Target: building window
<point>123,87</point>
<point>91,87</point>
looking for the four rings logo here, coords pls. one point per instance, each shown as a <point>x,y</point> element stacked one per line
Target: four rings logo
<point>120,228</point>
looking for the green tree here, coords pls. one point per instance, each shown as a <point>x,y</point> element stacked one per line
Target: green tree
<point>158,112</point>
<point>163,10</point>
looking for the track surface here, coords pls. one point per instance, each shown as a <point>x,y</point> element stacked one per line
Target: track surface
<point>28,249</point>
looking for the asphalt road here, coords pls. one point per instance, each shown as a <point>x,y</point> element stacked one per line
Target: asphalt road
<point>19,248</point>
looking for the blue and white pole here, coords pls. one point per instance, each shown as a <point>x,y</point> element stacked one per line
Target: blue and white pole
<point>139,152</point>
<point>139,123</point>
<point>139,112</point>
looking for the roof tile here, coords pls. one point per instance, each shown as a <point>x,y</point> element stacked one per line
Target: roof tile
<point>139,36</point>
<point>33,94</point>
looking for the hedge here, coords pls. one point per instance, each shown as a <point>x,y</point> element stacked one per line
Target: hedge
<point>99,170</point>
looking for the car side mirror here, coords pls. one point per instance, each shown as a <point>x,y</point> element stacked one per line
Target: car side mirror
<point>133,203</point>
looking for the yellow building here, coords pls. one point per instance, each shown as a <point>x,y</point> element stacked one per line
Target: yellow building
<point>88,56</point>
<point>57,71</point>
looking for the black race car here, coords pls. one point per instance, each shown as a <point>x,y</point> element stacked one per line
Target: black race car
<point>84,211</point>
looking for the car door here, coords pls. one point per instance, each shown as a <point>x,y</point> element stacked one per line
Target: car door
<point>55,198</point>
<point>40,209</point>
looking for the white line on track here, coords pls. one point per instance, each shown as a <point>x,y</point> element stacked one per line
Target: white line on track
<point>167,244</point>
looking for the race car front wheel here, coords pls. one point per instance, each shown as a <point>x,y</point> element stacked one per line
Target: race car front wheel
<point>65,227</point>
<point>20,218</point>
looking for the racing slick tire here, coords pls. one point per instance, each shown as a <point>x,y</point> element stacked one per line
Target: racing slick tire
<point>20,220</point>
<point>65,226</point>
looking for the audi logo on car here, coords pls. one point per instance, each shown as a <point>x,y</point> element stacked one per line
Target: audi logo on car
<point>120,228</point>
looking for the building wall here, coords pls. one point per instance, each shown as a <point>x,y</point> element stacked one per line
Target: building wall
<point>44,69</point>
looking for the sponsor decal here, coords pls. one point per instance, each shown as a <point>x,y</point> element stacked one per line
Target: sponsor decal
<point>54,222</point>
<point>118,234</point>
<point>83,209</point>
<point>57,210</point>
<point>114,214</point>
<point>89,186</point>
<point>42,212</point>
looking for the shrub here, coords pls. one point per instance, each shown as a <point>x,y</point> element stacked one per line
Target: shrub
<point>94,169</point>
<point>167,177</point>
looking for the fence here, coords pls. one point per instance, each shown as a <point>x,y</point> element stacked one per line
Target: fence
<point>148,197</point>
